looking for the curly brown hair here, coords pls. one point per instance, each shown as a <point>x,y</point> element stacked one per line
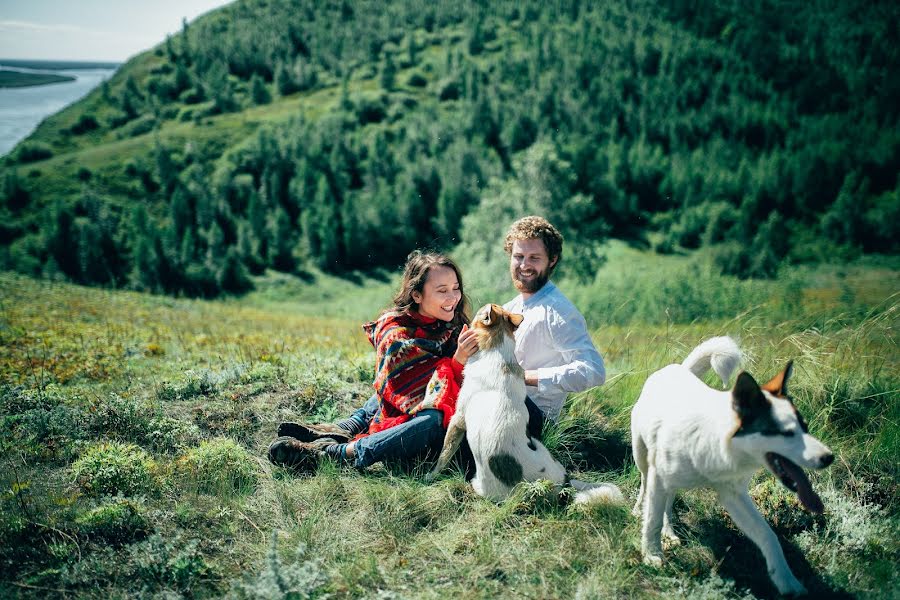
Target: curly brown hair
<point>415,273</point>
<point>531,228</point>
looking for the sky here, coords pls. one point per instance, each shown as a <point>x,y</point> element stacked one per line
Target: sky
<point>91,30</point>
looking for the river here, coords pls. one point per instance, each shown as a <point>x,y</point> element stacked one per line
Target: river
<point>22,109</point>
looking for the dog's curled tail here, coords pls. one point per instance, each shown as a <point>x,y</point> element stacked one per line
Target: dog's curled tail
<point>720,353</point>
<point>600,493</point>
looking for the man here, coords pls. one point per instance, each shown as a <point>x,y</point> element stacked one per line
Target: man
<point>552,342</point>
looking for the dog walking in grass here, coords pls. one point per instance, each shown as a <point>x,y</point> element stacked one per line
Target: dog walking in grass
<point>491,412</point>
<point>687,435</point>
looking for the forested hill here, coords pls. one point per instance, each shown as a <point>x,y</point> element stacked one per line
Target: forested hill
<point>339,135</point>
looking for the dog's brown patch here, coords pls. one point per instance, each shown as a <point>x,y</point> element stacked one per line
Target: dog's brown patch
<point>506,468</point>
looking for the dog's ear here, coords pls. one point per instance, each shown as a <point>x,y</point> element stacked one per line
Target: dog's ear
<point>489,315</point>
<point>778,384</point>
<point>746,397</point>
<point>515,319</point>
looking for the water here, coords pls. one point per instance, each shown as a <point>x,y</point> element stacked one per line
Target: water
<point>22,109</point>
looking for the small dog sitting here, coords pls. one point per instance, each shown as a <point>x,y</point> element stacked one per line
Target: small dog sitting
<point>687,435</point>
<point>491,412</point>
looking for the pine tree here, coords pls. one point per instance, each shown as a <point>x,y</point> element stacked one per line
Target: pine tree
<point>232,276</point>
<point>14,195</point>
<point>281,240</point>
<point>62,240</point>
<point>259,93</point>
<point>388,73</point>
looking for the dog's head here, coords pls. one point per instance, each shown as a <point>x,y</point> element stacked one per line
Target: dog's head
<point>493,325</point>
<point>773,431</point>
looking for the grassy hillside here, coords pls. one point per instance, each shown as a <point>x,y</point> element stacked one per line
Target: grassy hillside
<point>300,135</point>
<point>134,430</point>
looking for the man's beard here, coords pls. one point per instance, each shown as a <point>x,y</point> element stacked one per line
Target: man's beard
<point>534,284</point>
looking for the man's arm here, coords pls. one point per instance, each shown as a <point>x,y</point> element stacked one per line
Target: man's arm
<point>581,365</point>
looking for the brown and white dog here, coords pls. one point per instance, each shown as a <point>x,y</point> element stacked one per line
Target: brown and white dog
<point>491,412</point>
<point>685,434</point>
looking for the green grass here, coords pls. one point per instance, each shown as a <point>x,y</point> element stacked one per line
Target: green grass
<point>191,392</point>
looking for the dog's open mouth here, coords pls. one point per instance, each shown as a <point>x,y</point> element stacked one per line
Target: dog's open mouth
<point>795,480</point>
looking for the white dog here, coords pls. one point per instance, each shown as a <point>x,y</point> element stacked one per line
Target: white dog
<point>687,435</point>
<point>491,411</point>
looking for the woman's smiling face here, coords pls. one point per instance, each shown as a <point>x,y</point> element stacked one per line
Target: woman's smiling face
<point>440,294</point>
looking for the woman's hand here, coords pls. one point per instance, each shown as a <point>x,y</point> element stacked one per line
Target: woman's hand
<point>466,345</point>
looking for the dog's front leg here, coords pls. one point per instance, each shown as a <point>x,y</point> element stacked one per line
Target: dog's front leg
<point>655,496</point>
<point>668,532</point>
<point>453,438</point>
<point>747,518</point>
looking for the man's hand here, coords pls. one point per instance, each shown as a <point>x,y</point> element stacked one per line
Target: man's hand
<point>466,345</point>
<point>531,378</point>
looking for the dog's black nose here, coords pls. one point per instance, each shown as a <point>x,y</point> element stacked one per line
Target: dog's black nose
<point>827,460</point>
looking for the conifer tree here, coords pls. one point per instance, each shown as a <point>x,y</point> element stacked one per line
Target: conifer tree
<point>259,93</point>
<point>281,240</point>
<point>144,261</point>
<point>232,276</point>
<point>388,72</point>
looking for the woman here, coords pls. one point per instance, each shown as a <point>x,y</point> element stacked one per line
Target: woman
<point>421,345</point>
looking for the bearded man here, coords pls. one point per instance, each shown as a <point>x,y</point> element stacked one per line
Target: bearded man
<point>552,342</point>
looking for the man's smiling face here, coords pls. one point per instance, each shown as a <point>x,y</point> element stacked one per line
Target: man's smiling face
<point>529,265</point>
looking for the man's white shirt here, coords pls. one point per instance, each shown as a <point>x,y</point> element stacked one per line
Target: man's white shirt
<point>553,339</point>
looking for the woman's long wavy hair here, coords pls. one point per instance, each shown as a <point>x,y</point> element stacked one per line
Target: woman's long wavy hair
<point>418,265</point>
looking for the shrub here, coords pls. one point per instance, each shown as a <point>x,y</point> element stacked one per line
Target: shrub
<point>448,89</point>
<point>165,434</point>
<point>197,384</point>
<point>117,522</point>
<point>40,423</point>
<point>33,151</point>
<point>219,466</point>
<point>173,563</point>
<point>85,124</point>
<point>300,579</point>
<point>115,416</point>
<point>417,80</point>
<point>140,126</point>
<point>371,110</point>
<point>114,468</point>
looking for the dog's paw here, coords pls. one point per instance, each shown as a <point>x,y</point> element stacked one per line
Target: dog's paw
<point>669,539</point>
<point>654,560</point>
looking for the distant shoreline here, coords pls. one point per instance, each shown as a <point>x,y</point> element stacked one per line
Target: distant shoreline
<point>56,65</point>
<point>18,79</point>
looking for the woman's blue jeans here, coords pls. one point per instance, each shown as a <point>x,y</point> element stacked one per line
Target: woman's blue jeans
<point>422,434</point>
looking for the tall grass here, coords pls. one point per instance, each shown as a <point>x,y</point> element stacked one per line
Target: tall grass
<point>195,390</point>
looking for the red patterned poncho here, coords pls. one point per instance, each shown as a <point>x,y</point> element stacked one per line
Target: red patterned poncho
<point>414,367</point>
